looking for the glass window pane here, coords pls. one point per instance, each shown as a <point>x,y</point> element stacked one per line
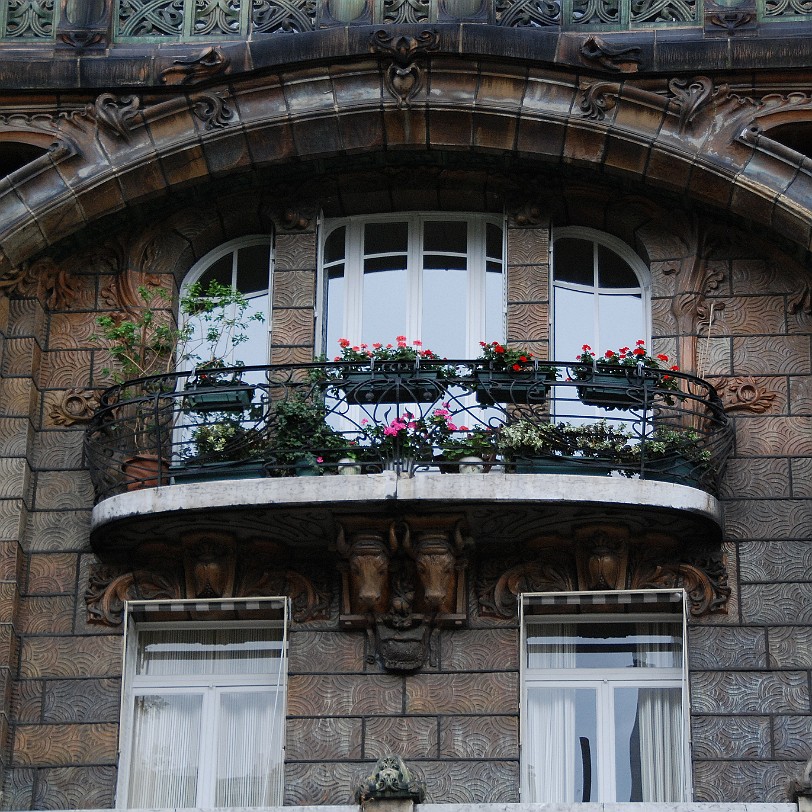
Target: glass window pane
<point>384,303</point>
<point>561,745</point>
<point>445,262</point>
<point>574,323</point>
<point>334,245</point>
<point>220,271</point>
<point>604,645</point>
<point>614,272</point>
<point>254,351</point>
<point>207,651</point>
<point>384,238</point>
<point>494,304</point>
<point>444,235</point>
<point>253,268</point>
<point>249,749</point>
<point>164,757</point>
<point>493,241</point>
<point>334,310</point>
<point>445,306</point>
<point>621,321</point>
<point>574,261</point>
<point>648,744</point>
<point>394,262</point>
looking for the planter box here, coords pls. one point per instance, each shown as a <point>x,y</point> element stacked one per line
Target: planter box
<point>616,391</point>
<point>225,397</point>
<point>510,387</point>
<point>408,386</point>
<point>212,471</point>
<point>677,470</point>
<point>563,465</point>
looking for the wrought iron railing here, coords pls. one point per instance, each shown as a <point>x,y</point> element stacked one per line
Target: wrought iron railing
<point>343,418</point>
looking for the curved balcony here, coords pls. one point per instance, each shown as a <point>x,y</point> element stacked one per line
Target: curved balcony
<point>327,437</point>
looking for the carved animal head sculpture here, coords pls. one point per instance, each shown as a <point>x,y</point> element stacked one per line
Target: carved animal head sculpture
<point>436,561</point>
<point>368,556</point>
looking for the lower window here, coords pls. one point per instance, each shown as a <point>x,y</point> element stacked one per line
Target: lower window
<point>605,702</point>
<point>204,713</point>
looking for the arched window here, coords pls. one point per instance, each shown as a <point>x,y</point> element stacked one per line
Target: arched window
<point>600,293</point>
<point>245,264</point>
<point>434,277</point>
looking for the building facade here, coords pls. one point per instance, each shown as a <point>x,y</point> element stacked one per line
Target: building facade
<point>541,175</point>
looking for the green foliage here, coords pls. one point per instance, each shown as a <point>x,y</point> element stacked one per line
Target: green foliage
<point>300,427</point>
<point>479,442</point>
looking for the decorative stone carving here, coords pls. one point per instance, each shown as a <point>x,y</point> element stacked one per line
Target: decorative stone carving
<point>210,62</point>
<point>800,788</point>
<point>404,77</point>
<point>744,394</point>
<point>690,96</point>
<point>391,779</point>
<point>75,406</point>
<point>203,565</point>
<point>84,23</point>
<point>598,99</point>
<point>607,556</point>
<point>731,20</point>
<point>295,220</point>
<point>801,300</point>
<point>212,110</point>
<point>113,114</point>
<point>43,278</point>
<point>616,58</point>
<point>402,583</point>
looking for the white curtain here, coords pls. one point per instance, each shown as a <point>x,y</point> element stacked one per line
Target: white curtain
<point>659,721</point>
<point>164,762</point>
<point>551,746</point>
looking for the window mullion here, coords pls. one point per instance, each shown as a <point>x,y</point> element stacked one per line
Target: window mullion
<point>607,784</point>
<point>207,756</point>
<point>414,278</point>
<point>476,263</point>
<point>354,282</point>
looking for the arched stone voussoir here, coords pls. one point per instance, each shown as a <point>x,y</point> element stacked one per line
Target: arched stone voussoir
<point>683,138</point>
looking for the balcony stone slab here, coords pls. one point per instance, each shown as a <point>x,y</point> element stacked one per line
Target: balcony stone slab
<point>304,511</point>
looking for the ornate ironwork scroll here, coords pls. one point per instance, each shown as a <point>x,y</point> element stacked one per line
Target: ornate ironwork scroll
<point>28,19</point>
<point>151,18</point>
<point>528,13</point>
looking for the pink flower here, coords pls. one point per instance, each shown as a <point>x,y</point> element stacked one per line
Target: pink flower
<point>464,428</point>
<point>417,343</point>
<point>400,338</point>
<point>377,346</point>
<point>450,426</point>
<point>586,348</point>
<point>364,421</point>
<point>639,343</point>
<point>319,459</point>
<point>363,346</point>
<point>390,431</point>
<point>343,342</point>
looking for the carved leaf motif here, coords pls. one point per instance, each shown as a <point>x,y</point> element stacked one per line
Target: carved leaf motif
<point>598,99</point>
<point>744,394</point>
<point>801,300</point>
<point>42,278</point>
<point>75,406</point>
<point>691,96</point>
<point>212,110</point>
<point>108,588</point>
<point>114,115</point>
<point>534,576</point>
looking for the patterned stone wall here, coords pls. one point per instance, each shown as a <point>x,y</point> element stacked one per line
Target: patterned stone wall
<point>726,306</point>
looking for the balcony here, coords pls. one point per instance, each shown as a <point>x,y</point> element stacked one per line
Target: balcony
<point>327,438</point>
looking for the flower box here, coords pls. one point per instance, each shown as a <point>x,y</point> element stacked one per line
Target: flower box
<point>510,387</point>
<point>678,470</point>
<point>214,471</point>
<point>370,387</point>
<point>219,397</point>
<point>563,465</point>
<point>616,390</point>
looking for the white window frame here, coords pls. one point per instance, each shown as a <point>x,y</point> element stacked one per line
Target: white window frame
<point>210,686</point>
<point>620,248</point>
<point>603,681</point>
<point>354,274</point>
<point>232,247</point>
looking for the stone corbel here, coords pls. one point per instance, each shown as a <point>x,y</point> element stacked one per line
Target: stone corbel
<point>84,24</point>
<point>404,76</point>
<point>402,583</point>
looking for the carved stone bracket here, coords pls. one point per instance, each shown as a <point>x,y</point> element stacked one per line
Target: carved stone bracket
<point>390,780</point>
<point>114,115</point>
<point>212,109</point>
<point>404,77</point>
<point>401,582</point>
<point>75,406</point>
<point>744,394</point>
<point>210,62</point>
<point>615,58</point>
<point>607,557</point>
<point>204,565</point>
<point>84,23</point>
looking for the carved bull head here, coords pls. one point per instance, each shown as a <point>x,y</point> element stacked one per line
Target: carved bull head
<point>368,557</point>
<point>435,557</point>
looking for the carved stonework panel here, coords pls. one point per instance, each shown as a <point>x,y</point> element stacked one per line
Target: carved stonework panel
<point>75,406</point>
<point>391,779</point>
<point>402,581</point>
<point>210,62</point>
<point>404,77</point>
<point>204,565</point>
<point>744,394</point>
<point>607,556</point>
<point>43,278</point>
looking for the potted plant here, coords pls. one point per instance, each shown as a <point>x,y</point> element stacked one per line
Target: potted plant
<point>510,375</point>
<point>402,372</point>
<point>408,437</point>
<point>303,443</point>
<point>469,450</point>
<point>142,344</point>
<point>546,447</point>
<point>674,455</point>
<point>624,378</point>
<point>215,320</point>
<point>222,448</point>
